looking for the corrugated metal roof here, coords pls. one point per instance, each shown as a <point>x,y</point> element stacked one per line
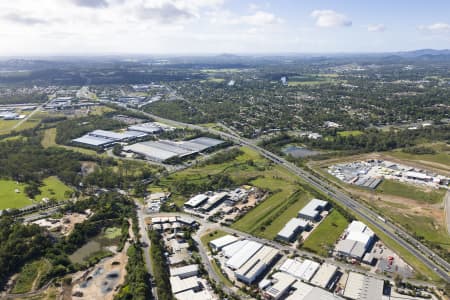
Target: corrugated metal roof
<point>243,255</point>
<point>324,275</point>
<point>223,241</point>
<point>311,209</point>
<point>196,200</point>
<point>291,227</point>
<point>92,140</point>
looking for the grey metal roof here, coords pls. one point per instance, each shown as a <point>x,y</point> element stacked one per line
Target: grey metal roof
<point>311,209</point>
<point>92,140</point>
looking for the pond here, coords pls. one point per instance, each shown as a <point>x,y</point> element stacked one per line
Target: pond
<point>96,244</point>
<point>299,152</point>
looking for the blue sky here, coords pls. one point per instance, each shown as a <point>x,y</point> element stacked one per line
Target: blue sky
<point>218,26</point>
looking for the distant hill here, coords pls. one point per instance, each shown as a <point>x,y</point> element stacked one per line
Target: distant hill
<point>424,53</point>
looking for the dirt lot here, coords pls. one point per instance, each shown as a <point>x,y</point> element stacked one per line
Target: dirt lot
<point>101,281</point>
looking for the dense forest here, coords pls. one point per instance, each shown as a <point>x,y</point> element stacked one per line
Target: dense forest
<point>74,128</point>
<point>25,160</point>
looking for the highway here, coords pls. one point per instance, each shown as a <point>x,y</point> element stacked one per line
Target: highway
<point>420,251</point>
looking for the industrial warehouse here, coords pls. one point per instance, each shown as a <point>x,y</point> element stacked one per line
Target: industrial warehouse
<point>313,212</point>
<point>356,241</point>
<point>369,174</point>
<point>100,139</point>
<point>164,150</point>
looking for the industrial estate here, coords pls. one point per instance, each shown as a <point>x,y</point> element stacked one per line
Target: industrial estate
<point>225,177</point>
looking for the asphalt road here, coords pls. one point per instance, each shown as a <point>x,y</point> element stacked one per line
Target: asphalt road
<point>145,240</point>
<point>420,251</point>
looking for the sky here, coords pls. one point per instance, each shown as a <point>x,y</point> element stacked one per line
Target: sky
<point>84,27</point>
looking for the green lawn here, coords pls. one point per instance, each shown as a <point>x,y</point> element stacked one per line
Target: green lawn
<point>53,188</point>
<point>208,237</point>
<point>112,233</point>
<point>222,277</point>
<point>49,141</point>
<point>326,234</point>
<point>442,155</point>
<point>350,132</point>
<point>6,125</point>
<point>400,189</point>
<point>29,276</point>
<point>9,198</point>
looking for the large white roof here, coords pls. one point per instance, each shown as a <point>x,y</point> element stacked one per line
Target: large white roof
<point>92,140</point>
<point>223,241</point>
<point>283,282</point>
<point>324,275</point>
<point>258,262</point>
<point>303,270</point>
<point>150,151</point>
<point>292,226</point>
<point>362,287</point>
<point>243,255</point>
<point>230,250</point>
<point>180,285</point>
<point>196,200</point>
<point>184,270</point>
<point>359,237</point>
<point>311,209</point>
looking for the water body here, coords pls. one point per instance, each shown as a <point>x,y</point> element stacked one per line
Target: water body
<point>299,152</point>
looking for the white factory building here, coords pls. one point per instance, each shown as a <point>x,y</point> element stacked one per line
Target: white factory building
<point>292,229</point>
<point>196,201</point>
<point>357,240</point>
<point>361,287</point>
<point>187,285</point>
<point>325,276</point>
<point>278,286</point>
<point>248,259</point>
<point>313,209</point>
<point>222,242</point>
<point>184,272</point>
<point>150,128</point>
<point>163,150</point>
<point>303,291</point>
<point>303,270</point>
<point>257,264</point>
<point>283,284</point>
<point>104,138</point>
<point>243,255</point>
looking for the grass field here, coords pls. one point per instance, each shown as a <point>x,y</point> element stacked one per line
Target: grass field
<point>48,140</point>
<point>208,237</point>
<point>112,233</point>
<point>9,198</point>
<point>442,155</point>
<point>213,79</point>
<point>222,277</point>
<point>29,276</point>
<point>325,236</point>
<point>6,125</point>
<point>350,132</point>
<point>52,188</point>
<point>400,189</point>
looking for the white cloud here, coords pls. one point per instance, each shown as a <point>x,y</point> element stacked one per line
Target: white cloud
<point>436,27</point>
<point>376,28</point>
<point>259,18</point>
<point>330,18</point>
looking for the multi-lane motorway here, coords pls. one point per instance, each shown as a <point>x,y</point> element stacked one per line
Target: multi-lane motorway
<point>420,251</point>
